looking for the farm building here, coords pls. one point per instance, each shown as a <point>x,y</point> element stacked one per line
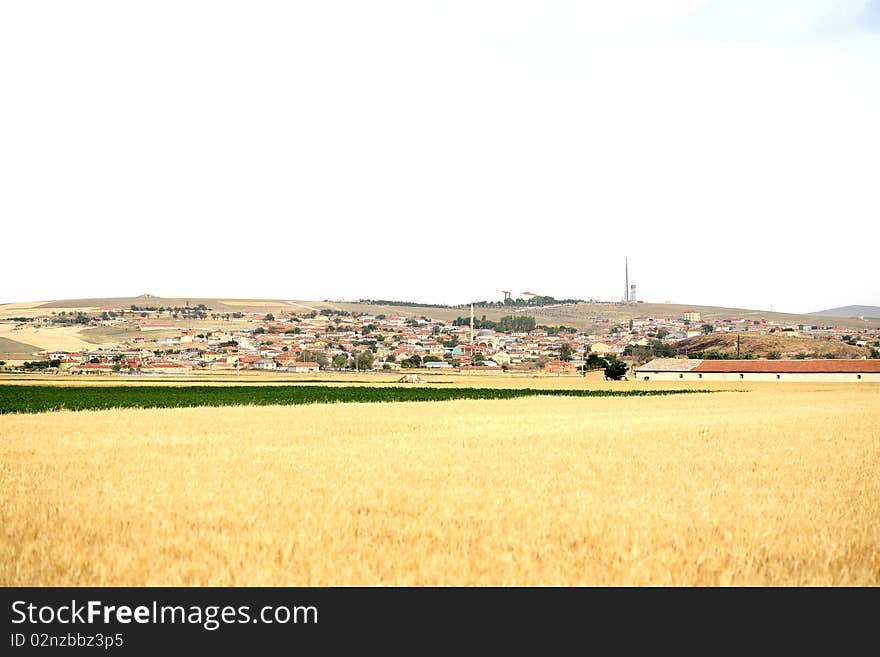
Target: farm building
<point>557,366</point>
<point>601,348</point>
<point>835,370</point>
<point>163,367</point>
<point>304,367</point>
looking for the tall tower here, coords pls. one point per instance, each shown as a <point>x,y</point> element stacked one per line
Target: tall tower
<point>626,283</point>
<point>632,293</point>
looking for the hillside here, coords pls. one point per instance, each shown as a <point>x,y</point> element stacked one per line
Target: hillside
<point>13,349</point>
<point>586,315</point>
<point>851,311</point>
<point>216,305</point>
<point>761,346</point>
<point>581,315</point>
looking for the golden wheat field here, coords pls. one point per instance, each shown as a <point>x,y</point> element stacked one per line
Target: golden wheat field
<point>776,485</point>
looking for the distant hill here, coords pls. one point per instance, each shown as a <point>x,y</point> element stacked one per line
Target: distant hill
<point>589,316</point>
<point>851,311</point>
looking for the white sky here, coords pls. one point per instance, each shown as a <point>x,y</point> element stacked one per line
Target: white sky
<point>442,151</point>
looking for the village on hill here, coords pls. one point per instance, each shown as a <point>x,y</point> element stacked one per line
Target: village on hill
<point>165,340</point>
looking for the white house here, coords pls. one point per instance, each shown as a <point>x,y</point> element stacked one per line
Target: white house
<point>304,367</point>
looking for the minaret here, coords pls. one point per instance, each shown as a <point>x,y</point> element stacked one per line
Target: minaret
<point>472,324</point>
<point>626,285</point>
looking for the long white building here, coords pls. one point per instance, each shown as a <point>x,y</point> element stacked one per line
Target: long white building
<point>834,370</point>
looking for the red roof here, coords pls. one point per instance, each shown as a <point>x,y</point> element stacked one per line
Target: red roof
<point>830,365</point>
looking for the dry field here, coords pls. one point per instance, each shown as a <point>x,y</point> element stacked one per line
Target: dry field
<point>776,485</point>
<point>65,338</point>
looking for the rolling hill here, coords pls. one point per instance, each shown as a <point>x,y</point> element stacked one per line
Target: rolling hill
<point>851,311</point>
<point>13,349</point>
<point>581,315</point>
<point>761,346</point>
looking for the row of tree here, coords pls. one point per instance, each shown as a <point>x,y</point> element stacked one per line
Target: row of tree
<point>507,324</point>
<point>539,300</point>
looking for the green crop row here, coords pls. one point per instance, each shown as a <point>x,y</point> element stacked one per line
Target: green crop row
<point>36,399</point>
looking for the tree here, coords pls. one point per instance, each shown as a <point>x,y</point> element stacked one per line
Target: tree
<point>269,317</point>
<point>774,355</point>
<point>566,352</point>
<point>707,329</point>
<point>615,369</point>
<point>365,360</point>
<point>660,349</point>
<point>340,361</point>
<point>318,357</point>
<point>516,324</point>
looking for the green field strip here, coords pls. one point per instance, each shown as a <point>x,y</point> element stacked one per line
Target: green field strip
<point>38,399</point>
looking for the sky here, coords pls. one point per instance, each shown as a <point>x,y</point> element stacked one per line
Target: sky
<point>442,151</point>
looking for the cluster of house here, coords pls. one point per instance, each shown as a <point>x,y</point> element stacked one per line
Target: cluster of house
<point>308,342</point>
